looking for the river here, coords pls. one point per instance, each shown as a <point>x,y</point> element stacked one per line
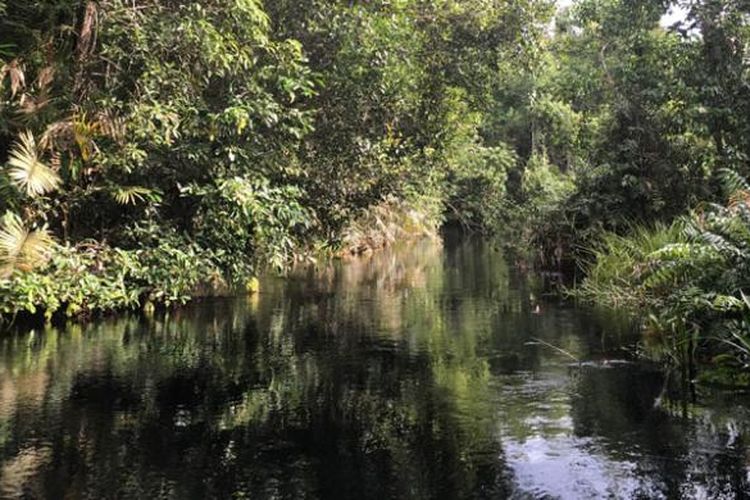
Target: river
<point>432,370</point>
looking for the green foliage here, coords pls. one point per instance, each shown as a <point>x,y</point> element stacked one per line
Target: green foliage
<point>614,101</point>
<point>533,221</point>
<point>557,126</point>
<point>247,132</point>
<point>618,265</point>
<point>90,278</point>
<point>544,185</point>
<point>478,185</point>
<point>688,280</point>
<point>237,134</point>
<point>250,218</point>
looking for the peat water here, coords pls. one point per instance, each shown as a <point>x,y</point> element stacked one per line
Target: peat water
<point>421,372</point>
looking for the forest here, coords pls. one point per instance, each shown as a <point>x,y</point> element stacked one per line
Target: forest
<point>155,151</point>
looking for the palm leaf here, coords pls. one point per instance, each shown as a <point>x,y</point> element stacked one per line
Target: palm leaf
<point>21,248</point>
<point>27,172</point>
<point>733,181</point>
<point>131,195</point>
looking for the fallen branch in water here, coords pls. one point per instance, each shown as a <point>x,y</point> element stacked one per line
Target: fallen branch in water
<point>537,341</point>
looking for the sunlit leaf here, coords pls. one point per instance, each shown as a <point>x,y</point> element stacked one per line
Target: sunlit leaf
<point>26,170</point>
<point>132,195</point>
<point>21,248</point>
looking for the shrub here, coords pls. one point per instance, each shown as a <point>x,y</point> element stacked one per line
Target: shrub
<point>478,186</point>
<point>687,281</point>
<point>92,277</point>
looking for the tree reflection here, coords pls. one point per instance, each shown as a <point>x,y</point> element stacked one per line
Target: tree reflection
<point>407,374</point>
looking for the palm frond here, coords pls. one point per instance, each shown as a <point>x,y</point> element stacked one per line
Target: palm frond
<point>131,195</point>
<point>735,230</point>
<point>111,125</point>
<point>733,181</point>
<point>84,132</point>
<point>715,242</point>
<point>27,172</point>
<point>58,135</point>
<point>21,248</point>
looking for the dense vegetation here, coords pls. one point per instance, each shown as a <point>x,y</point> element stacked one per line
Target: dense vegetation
<point>156,150</point>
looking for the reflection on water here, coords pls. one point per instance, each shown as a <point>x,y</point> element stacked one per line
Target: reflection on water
<point>408,375</point>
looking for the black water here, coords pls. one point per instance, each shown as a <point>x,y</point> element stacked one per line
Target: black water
<point>417,373</point>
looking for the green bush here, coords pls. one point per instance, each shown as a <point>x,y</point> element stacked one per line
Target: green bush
<point>248,223</point>
<point>618,265</point>
<point>92,278</point>
<point>478,186</point>
<point>687,281</point>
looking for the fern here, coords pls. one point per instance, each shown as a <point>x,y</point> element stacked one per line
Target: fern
<point>733,182</point>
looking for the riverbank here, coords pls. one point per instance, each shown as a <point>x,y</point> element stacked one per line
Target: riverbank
<point>80,281</point>
<point>686,283</point>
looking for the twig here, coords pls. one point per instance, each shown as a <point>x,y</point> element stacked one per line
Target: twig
<point>554,347</point>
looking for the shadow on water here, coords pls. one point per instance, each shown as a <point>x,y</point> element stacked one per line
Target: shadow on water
<point>411,374</point>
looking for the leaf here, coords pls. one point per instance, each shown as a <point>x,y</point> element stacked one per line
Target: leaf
<point>27,172</point>
<point>16,74</point>
<point>131,195</point>
<point>733,181</point>
<point>21,248</point>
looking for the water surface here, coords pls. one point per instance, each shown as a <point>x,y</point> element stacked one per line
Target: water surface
<point>416,373</point>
